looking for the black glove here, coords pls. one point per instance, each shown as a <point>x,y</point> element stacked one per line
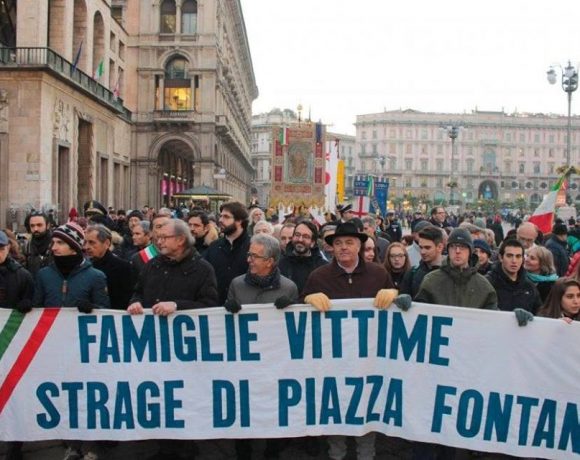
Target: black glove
<point>523,316</point>
<point>282,302</point>
<point>84,306</point>
<point>24,306</point>
<point>403,301</point>
<point>233,306</point>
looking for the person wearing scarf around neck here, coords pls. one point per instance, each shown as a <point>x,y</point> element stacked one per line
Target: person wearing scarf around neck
<point>539,265</point>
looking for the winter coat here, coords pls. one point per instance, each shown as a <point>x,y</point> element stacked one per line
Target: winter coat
<point>245,293</point>
<point>189,282</point>
<point>298,268</point>
<point>365,281</point>
<point>119,279</point>
<point>520,293</point>
<point>228,261</point>
<point>414,277</point>
<point>559,250</point>
<point>394,231</point>
<point>18,284</point>
<point>456,287</point>
<point>497,232</point>
<point>84,283</point>
<point>38,254</point>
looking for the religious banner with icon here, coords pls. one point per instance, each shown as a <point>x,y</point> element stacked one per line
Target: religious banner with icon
<point>299,171</point>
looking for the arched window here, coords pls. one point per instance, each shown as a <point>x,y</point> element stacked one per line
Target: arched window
<point>167,24</point>
<point>189,17</point>
<point>177,95</point>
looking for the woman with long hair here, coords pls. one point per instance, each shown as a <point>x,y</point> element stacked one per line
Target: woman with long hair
<point>369,250</point>
<point>397,262</point>
<point>539,263</point>
<point>563,301</point>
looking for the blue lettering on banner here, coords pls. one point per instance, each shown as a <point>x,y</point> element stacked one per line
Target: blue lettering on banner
<point>292,394</point>
<point>104,401</point>
<point>224,403</point>
<point>185,338</point>
<point>408,340</point>
<point>246,337</point>
<point>475,410</point>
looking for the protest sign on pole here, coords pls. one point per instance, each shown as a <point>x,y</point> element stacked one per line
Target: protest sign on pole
<point>460,377</point>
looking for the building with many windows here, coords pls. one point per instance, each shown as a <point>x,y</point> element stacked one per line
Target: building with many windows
<point>123,101</point>
<point>497,156</point>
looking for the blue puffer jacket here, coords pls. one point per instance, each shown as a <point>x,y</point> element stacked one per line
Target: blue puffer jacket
<point>83,283</point>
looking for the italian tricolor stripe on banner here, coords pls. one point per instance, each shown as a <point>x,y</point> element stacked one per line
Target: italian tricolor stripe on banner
<point>283,136</point>
<point>150,252</point>
<point>21,352</point>
<point>543,216</point>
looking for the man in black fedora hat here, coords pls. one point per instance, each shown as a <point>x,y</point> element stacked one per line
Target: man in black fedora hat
<point>347,276</point>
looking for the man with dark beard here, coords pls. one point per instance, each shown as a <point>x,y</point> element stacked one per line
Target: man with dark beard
<point>37,249</point>
<point>302,254</point>
<point>228,254</point>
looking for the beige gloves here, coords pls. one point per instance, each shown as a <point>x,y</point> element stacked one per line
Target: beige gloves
<point>384,298</point>
<point>319,300</point>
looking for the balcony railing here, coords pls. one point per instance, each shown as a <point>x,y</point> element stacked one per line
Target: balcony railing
<point>45,58</point>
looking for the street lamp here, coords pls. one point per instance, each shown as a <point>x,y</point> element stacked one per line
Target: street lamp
<point>452,131</point>
<point>569,85</point>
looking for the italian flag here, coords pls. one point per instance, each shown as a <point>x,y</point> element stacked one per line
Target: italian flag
<point>99,71</point>
<point>543,216</point>
<point>150,252</point>
<point>283,136</point>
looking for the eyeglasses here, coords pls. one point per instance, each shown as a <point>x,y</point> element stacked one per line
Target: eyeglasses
<point>457,247</point>
<point>252,256</point>
<point>302,235</point>
<point>397,256</point>
<point>165,237</point>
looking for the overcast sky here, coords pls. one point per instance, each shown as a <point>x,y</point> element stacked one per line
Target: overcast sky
<point>344,58</point>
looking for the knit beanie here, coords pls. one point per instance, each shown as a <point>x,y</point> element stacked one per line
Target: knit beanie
<point>482,244</point>
<point>72,235</point>
<point>460,236</point>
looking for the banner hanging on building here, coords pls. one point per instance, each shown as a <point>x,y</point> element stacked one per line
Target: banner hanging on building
<point>298,165</point>
<point>461,377</point>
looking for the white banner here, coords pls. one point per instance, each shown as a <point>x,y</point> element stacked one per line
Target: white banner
<point>454,376</point>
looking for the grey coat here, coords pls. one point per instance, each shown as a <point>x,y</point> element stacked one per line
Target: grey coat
<point>244,293</point>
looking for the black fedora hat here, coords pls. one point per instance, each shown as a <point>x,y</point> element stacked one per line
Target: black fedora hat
<point>346,229</point>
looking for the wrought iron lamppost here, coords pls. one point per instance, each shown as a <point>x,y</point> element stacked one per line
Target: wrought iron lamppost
<point>569,85</point>
<point>452,131</point>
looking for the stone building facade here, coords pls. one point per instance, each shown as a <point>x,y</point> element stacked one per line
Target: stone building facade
<point>497,155</point>
<point>123,101</point>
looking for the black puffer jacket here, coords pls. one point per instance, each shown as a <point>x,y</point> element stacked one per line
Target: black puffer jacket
<point>298,268</point>
<point>16,284</point>
<point>190,283</point>
<point>520,293</point>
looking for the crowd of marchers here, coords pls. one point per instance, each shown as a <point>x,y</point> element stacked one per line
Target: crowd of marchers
<point>165,260</point>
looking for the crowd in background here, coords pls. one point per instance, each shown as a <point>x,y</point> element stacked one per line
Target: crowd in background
<point>180,259</point>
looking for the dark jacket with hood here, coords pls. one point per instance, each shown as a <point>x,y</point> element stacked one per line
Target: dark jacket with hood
<point>298,268</point>
<point>520,293</point>
<point>457,287</point>
<point>414,277</point>
<point>228,261</point>
<point>189,282</point>
<point>16,284</point>
<point>84,283</point>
